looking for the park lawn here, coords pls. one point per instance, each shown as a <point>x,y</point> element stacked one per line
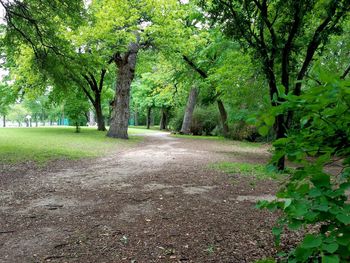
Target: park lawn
<point>257,171</point>
<point>44,144</point>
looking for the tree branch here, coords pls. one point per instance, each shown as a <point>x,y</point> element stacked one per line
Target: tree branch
<point>103,74</point>
<point>346,72</point>
<point>325,27</point>
<point>197,69</point>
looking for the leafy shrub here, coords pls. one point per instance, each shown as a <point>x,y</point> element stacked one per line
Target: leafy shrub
<point>313,197</point>
<point>204,120</point>
<point>240,130</point>
<point>175,122</point>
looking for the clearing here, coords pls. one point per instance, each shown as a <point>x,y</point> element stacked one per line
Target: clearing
<point>158,200</point>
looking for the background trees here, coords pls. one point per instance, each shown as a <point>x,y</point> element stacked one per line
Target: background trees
<point>284,36</point>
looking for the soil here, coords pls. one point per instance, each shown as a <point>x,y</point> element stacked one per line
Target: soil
<point>156,202</point>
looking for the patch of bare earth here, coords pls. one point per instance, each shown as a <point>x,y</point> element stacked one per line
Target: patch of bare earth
<point>157,202</point>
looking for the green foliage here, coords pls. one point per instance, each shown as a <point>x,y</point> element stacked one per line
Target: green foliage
<point>314,197</point>
<point>17,113</point>
<point>7,97</point>
<point>204,120</point>
<point>268,260</point>
<point>76,108</point>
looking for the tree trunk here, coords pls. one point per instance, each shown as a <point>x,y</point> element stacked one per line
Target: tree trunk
<point>99,115</point>
<point>164,119</point>
<point>126,72</point>
<point>136,117</point>
<point>149,111</point>
<point>4,121</point>
<point>223,115</point>
<point>191,104</point>
<point>77,127</point>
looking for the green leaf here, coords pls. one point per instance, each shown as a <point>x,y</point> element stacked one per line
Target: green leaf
<point>287,203</point>
<point>269,120</point>
<point>263,130</point>
<point>321,179</point>
<point>330,248</point>
<point>302,254</point>
<point>345,219</point>
<point>276,231</point>
<point>330,259</point>
<point>311,241</point>
<point>343,240</point>
<point>315,192</point>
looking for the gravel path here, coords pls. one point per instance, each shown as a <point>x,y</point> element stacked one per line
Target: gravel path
<point>156,202</point>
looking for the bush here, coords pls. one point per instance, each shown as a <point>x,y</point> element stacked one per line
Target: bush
<point>313,197</point>
<point>240,130</point>
<point>204,122</point>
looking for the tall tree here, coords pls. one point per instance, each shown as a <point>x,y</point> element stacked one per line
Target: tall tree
<point>284,35</point>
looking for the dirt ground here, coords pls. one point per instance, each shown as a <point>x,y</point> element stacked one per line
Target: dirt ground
<point>156,202</point>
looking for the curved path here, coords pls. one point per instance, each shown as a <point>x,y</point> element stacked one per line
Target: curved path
<point>156,202</point>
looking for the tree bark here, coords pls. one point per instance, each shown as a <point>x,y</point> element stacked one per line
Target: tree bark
<point>95,100</point>
<point>191,104</point>
<point>164,119</point>
<point>149,112</point>
<point>223,115</point>
<point>4,121</point>
<point>136,117</point>
<point>126,72</point>
<point>99,115</point>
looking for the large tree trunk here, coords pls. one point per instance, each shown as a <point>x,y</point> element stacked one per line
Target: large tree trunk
<point>126,71</point>
<point>164,119</point>
<point>191,104</point>
<point>149,112</point>
<point>223,116</point>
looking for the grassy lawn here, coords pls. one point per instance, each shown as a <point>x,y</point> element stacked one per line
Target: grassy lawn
<point>44,144</point>
<point>199,137</point>
<point>256,171</point>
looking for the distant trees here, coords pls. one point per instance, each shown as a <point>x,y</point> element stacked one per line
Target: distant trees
<point>284,36</point>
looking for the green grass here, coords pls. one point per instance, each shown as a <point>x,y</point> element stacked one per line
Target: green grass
<point>199,137</point>
<point>44,144</point>
<point>244,144</point>
<point>151,129</point>
<point>256,171</point>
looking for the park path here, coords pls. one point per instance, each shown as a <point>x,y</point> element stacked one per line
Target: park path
<point>156,202</point>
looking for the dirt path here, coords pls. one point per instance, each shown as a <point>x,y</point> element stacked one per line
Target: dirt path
<point>157,202</point>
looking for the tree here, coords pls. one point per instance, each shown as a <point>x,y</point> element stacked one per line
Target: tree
<point>7,97</point>
<point>30,22</point>
<point>124,28</point>
<point>76,107</point>
<point>284,35</point>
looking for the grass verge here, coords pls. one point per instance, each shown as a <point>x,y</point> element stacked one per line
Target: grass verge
<point>44,144</point>
<point>244,144</point>
<point>257,171</point>
<point>199,137</point>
